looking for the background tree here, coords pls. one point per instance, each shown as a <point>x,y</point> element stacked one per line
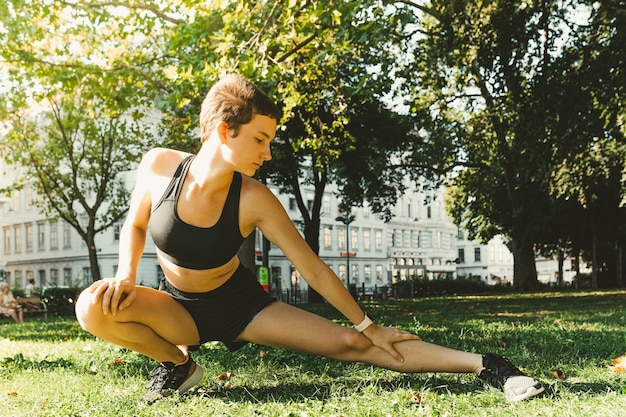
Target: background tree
<point>75,111</point>
<point>490,74</point>
<point>317,61</point>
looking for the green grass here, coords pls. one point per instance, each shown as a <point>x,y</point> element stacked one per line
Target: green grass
<point>52,368</point>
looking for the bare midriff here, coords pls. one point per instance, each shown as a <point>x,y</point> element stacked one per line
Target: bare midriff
<point>198,280</point>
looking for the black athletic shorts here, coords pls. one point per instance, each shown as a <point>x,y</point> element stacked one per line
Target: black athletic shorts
<point>223,313</point>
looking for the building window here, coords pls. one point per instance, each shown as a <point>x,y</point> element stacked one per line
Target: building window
<point>354,275</point>
<point>367,243</point>
<point>379,274</point>
<point>41,235</point>
<point>477,254</point>
<point>54,277</point>
<point>461,255</point>
<point>354,239</point>
<point>276,277</point>
<point>342,273</point>
<point>87,275</point>
<point>54,236</point>
<point>378,239</point>
<point>328,237</point>
<point>7,240</point>
<point>67,236</point>
<point>429,212</point>
<point>18,238</point>
<point>42,278</point>
<point>326,204</point>
<point>67,276</point>
<point>18,278</point>
<point>30,275</point>
<point>397,238</point>
<point>292,204</point>
<point>367,273</point>
<point>117,228</point>
<point>341,237</point>
<point>29,236</point>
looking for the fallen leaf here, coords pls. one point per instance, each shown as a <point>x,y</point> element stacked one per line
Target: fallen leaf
<point>619,364</point>
<point>416,397</point>
<point>262,353</point>
<point>558,373</point>
<point>12,394</point>
<point>225,376</point>
<point>118,361</point>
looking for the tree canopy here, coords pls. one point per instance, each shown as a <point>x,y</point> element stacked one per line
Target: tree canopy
<point>517,106</point>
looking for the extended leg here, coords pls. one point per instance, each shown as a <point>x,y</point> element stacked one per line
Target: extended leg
<point>282,325</point>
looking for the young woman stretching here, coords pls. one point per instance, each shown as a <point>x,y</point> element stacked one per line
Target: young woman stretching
<point>200,209</point>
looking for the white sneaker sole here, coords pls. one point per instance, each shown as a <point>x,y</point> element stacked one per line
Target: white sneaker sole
<point>193,379</point>
<point>529,393</point>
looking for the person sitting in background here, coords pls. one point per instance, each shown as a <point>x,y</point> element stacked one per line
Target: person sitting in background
<point>8,304</point>
<point>29,290</point>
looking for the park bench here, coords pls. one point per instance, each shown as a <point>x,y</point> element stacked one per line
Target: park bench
<point>43,307</point>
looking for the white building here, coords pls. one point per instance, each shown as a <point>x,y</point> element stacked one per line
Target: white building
<point>492,262</point>
<point>418,242</point>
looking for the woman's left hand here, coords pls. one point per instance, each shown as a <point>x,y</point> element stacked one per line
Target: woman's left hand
<point>386,337</point>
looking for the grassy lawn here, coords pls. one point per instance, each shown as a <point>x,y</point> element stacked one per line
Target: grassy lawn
<point>52,368</point>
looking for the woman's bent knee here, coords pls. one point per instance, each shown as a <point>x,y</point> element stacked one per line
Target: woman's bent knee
<point>88,313</point>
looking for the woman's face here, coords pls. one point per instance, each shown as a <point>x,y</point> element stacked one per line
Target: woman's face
<point>251,147</point>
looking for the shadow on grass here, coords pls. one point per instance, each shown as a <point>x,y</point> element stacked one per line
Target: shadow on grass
<point>294,392</point>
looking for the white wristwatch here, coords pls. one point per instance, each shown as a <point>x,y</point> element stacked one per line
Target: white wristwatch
<point>364,324</point>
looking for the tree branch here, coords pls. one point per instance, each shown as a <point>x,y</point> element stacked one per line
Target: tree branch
<point>152,9</point>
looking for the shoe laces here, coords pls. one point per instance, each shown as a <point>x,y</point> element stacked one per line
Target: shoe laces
<point>497,370</point>
<point>160,377</point>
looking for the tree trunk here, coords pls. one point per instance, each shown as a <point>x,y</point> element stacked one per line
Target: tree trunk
<point>524,267</point>
<point>312,237</point>
<point>620,267</point>
<point>93,258</point>
<point>561,259</point>
<point>594,255</point>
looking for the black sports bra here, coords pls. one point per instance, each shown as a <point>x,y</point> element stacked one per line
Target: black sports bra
<point>191,246</point>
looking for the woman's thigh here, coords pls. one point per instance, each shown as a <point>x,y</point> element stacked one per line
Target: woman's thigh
<point>151,308</point>
<point>282,325</point>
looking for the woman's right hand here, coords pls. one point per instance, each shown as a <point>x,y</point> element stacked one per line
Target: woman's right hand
<point>114,294</point>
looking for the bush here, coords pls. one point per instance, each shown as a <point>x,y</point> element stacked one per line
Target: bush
<point>60,300</point>
<point>425,288</point>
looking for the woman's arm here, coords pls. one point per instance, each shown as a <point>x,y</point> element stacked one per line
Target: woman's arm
<point>119,293</point>
<point>278,228</point>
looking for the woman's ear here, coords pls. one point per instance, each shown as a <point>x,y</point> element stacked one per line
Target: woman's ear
<point>222,131</point>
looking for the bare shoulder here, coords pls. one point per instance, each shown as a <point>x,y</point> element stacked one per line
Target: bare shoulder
<point>257,202</point>
<point>161,162</point>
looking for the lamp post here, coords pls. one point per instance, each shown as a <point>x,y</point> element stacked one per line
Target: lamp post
<point>346,219</point>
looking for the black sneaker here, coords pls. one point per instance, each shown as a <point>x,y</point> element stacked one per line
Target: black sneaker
<point>168,378</point>
<point>501,374</point>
